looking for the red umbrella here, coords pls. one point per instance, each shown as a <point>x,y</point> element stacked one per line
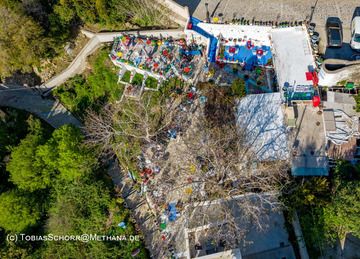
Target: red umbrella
<point>165,52</point>
<point>156,65</point>
<point>148,42</point>
<point>187,69</point>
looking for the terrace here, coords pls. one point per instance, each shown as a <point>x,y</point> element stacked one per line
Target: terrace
<point>159,58</point>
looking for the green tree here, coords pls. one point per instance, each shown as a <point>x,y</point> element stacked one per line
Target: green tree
<point>21,42</point>
<point>17,211</point>
<point>25,169</point>
<point>87,208</point>
<point>342,215</point>
<point>38,160</point>
<point>64,154</point>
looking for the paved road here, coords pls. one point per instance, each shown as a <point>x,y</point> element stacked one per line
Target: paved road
<point>79,63</point>
<point>30,100</point>
<point>281,10</point>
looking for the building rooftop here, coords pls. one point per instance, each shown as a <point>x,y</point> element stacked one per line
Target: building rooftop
<point>292,56</point>
<point>309,142</point>
<point>262,118</point>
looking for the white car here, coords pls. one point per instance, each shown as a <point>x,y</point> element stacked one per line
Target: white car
<point>355,33</point>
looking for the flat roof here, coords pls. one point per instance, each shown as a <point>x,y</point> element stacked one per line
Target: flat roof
<point>262,119</point>
<point>309,155</point>
<point>310,166</point>
<point>259,34</point>
<point>329,120</point>
<point>292,55</point>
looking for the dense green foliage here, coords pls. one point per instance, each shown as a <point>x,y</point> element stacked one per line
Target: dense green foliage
<point>35,164</point>
<point>59,189</point>
<point>109,14</point>
<point>87,208</point>
<point>18,211</point>
<point>19,45</point>
<point>80,93</point>
<point>137,79</point>
<point>328,208</point>
<point>151,82</point>
<point>12,130</point>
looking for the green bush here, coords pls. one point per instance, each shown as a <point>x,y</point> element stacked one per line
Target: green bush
<point>151,82</point>
<point>137,79</point>
<point>80,93</point>
<point>238,88</point>
<point>126,76</point>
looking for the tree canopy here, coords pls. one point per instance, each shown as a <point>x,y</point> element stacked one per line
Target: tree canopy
<point>36,162</point>
<point>21,42</point>
<point>18,211</point>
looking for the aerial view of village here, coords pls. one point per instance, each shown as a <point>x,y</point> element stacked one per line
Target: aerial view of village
<point>179,129</point>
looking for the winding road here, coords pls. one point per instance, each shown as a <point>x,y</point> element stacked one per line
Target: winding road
<point>29,99</point>
<point>49,109</point>
<point>96,40</point>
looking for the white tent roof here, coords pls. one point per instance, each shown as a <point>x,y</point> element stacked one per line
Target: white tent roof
<point>262,119</point>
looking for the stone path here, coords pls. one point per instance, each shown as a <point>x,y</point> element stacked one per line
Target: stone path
<point>29,99</point>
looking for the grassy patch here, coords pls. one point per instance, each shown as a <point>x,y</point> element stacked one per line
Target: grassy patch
<point>126,76</point>
<point>151,82</point>
<point>100,85</point>
<point>137,79</point>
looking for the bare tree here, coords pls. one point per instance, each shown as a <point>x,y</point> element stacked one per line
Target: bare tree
<point>212,172</point>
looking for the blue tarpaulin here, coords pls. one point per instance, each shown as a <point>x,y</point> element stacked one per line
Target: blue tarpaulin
<point>172,211</point>
<point>248,56</point>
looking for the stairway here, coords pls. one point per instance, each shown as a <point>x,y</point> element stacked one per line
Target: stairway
<point>213,40</point>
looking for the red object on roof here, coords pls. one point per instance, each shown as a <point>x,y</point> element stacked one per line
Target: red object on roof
<point>156,65</point>
<point>189,26</point>
<point>315,79</point>
<point>248,44</point>
<point>165,52</point>
<point>148,42</point>
<point>232,49</point>
<point>259,52</point>
<point>316,101</point>
<point>309,76</point>
<point>187,69</point>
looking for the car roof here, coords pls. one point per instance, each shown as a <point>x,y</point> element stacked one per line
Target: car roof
<point>333,20</point>
<point>357,24</point>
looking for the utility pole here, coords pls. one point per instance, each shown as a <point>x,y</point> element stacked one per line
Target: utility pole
<point>207,13</point>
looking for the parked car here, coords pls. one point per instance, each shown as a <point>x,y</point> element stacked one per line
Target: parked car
<point>334,32</point>
<point>355,33</point>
